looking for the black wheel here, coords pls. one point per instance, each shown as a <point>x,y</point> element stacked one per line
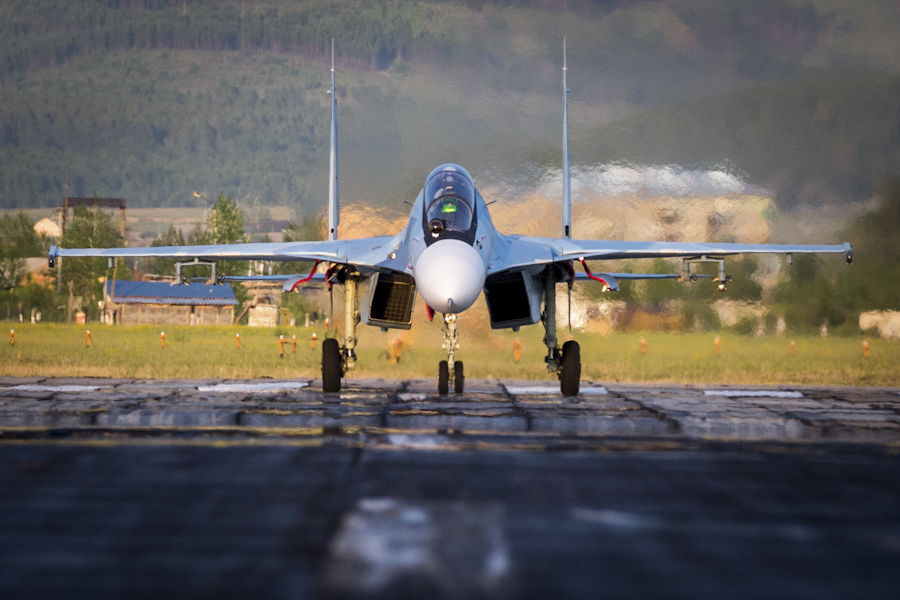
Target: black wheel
<point>443,378</point>
<point>458,377</point>
<point>331,366</point>
<point>570,369</point>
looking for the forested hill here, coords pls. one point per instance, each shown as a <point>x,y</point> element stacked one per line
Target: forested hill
<point>42,33</point>
<point>153,99</point>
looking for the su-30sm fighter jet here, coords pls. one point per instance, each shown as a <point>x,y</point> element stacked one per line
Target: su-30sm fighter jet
<point>450,252</point>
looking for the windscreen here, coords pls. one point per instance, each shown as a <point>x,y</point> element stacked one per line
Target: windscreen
<point>450,196</point>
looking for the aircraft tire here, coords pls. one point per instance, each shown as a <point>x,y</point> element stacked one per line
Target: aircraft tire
<point>443,378</point>
<point>458,377</point>
<point>570,369</point>
<point>331,366</point>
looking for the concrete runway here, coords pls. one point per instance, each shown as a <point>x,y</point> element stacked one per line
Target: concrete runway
<point>271,489</point>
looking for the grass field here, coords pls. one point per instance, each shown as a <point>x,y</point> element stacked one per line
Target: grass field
<point>200,352</point>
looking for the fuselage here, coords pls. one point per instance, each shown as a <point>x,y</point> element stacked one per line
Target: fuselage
<point>448,246</point>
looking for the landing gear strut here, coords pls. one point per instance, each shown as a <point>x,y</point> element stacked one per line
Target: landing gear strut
<point>450,369</point>
<point>338,360</point>
<point>565,363</point>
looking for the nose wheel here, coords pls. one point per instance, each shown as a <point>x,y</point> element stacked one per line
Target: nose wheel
<point>444,377</point>
<point>450,370</point>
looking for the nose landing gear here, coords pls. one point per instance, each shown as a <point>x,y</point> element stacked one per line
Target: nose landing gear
<point>450,369</point>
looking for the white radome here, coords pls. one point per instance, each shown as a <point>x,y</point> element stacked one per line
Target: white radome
<point>450,275</point>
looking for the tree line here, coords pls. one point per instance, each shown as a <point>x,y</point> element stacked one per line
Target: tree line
<point>137,126</point>
<point>156,98</point>
<point>126,135</point>
<point>42,33</point>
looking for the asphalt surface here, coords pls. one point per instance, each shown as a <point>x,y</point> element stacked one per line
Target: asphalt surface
<point>271,489</point>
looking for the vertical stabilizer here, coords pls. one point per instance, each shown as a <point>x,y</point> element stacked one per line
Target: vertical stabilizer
<point>334,208</point>
<point>567,189</point>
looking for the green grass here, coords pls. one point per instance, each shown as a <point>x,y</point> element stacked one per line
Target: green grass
<point>199,352</point>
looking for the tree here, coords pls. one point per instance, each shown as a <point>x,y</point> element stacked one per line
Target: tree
<point>91,228</point>
<point>873,282</point>
<point>309,229</point>
<point>878,233</point>
<point>164,266</point>
<point>225,222</point>
<point>660,292</point>
<point>806,298</point>
<point>225,225</point>
<point>811,294</point>
<point>18,241</point>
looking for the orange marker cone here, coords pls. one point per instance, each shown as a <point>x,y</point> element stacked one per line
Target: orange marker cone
<point>12,337</point>
<point>395,349</point>
<point>793,348</point>
<point>237,341</point>
<point>312,339</point>
<point>865,349</point>
<point>293,343</point>
<point>87,338</point>
<point>643,346</point>
<point>517,349</point>
<point>162,339</point>
<point>281,346</point>
<point>718,344</point>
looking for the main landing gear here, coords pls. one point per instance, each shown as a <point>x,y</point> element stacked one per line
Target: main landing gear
<point>337,360</point>
<point>331,366</point>
<point>565,363</point>
<point>450,370</point>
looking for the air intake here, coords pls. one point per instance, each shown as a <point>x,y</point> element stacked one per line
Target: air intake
<point>391,300</point>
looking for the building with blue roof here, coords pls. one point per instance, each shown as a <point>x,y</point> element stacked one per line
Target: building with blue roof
<point>159,303</point>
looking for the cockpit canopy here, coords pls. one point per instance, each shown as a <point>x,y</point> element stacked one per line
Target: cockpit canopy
<point>452,213</point>
<point>449,198</point>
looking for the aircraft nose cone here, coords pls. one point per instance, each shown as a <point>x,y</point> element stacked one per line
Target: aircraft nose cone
<point>450,275</point>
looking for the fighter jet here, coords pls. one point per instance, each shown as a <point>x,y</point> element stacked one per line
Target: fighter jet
<point>449,253</point>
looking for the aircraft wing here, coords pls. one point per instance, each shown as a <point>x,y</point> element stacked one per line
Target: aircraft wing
<point>368,252</point>
<point>515,251</point>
